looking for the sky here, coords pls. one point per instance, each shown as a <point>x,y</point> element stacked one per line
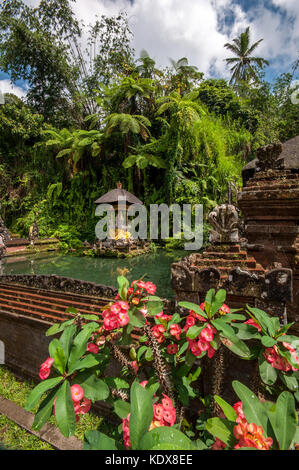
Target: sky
<point>198,30</point>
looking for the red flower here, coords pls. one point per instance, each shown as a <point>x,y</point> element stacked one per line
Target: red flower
<point>172,348</point>
<point>92,348</point>
<point>77,392</point>
<point>134,365</point>
<point>85,406</point>
<point>150,288</point>
<point>175,330</point>
<point>218,445</point>
<point>207,333</point>
<point>123,318</point>
<point>45,368</point>
<point>169,415</point>
<point>253,323</point>
<point>224,310</point>
<point>158,332</point>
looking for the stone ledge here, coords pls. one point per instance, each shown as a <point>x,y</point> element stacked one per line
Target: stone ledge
<point>48,433</point>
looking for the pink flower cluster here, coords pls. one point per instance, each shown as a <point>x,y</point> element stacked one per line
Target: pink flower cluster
<point>143,289</point>
<point>277,361</point>
<point>164,415</point>
<point>202,342</point>
<point>116,316</point>
<point>81,404</point>
<point>45,368</point>
<point>248,435</point>
<point>161,328</point>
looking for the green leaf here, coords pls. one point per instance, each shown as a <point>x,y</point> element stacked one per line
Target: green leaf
<point>140,352</point>
<point>228,317</point>
<point>237,346</point>
<point>154,306</point>
<point>194,331</point>
<point>45,410</point>
<point>95,440</point>
<point>123,285</point>
<point>222,429</point>
<point>149,356</point>
<point>115,382</point>
<point>141,413</point>
<point>219,301</point>
<point>64,410</point>
<point>79,344</point>
<point>285,420</point>
<point>66,339</point>
<point>54,344</point>
<point>58,327</point>
<point>91,317</point>
<point>253,410</point>
<point>245,331</point>
<point>59,359</point>
<point>267,372</point>
<point>290,381</point>
<point>190,306</point>
<point>165,438</point>
<point>39,390</point>
<point>183,348</point>
<point>86,363</point>
<point>95,389</point>
<point>136,318</point>
<point>263,319</point>
<point>268,341</point>
<point>220,325</point>
<point>122,408</point>
<point>226,408</point>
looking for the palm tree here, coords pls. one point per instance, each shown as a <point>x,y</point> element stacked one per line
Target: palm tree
<point>244,65</point>
<point>184,75</point>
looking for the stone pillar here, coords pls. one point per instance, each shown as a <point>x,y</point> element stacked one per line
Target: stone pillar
<point>270,207</point>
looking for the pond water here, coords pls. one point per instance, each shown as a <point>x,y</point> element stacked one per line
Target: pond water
<point>155,266</point>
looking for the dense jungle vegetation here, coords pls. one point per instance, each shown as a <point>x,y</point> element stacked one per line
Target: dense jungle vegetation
<point>96,113</point>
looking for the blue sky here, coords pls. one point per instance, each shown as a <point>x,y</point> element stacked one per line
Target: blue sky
<point>198,29</point>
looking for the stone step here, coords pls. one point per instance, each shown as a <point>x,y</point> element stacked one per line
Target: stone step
<point>248,263</point>
<point>225,255</point>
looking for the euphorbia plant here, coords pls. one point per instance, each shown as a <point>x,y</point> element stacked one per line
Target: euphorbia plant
<point>251,423</point>
<point>161,352</point>
<point>275,350</point>
<point>211,324</point>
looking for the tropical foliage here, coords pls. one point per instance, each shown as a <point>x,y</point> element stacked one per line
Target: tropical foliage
<point>162,357</point>
<point>94,117</point>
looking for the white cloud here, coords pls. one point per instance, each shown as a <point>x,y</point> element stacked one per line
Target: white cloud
<point>7,87</point>
<point>198,29</point>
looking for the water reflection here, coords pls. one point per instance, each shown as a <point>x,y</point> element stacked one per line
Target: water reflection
<point>155,267</point>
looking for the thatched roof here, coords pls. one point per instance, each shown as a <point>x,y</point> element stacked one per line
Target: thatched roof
<point>116,195</point>
<point>289,157</point>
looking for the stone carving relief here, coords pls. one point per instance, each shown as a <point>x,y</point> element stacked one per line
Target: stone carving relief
<point>225,221</point>
<point>267,157</point>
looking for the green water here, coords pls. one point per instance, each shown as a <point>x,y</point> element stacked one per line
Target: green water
<point>156,267</point>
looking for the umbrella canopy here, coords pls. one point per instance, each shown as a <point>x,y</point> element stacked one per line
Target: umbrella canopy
<point>116,195</point>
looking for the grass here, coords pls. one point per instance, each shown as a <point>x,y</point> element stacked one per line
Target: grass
<point>14,437</point>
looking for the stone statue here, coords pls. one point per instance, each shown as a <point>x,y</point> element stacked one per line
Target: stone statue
<point>225,221</point>
<point>267,157</point>
<point>2,246</point>
<point>3,231</point>
<point>33,233</point>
